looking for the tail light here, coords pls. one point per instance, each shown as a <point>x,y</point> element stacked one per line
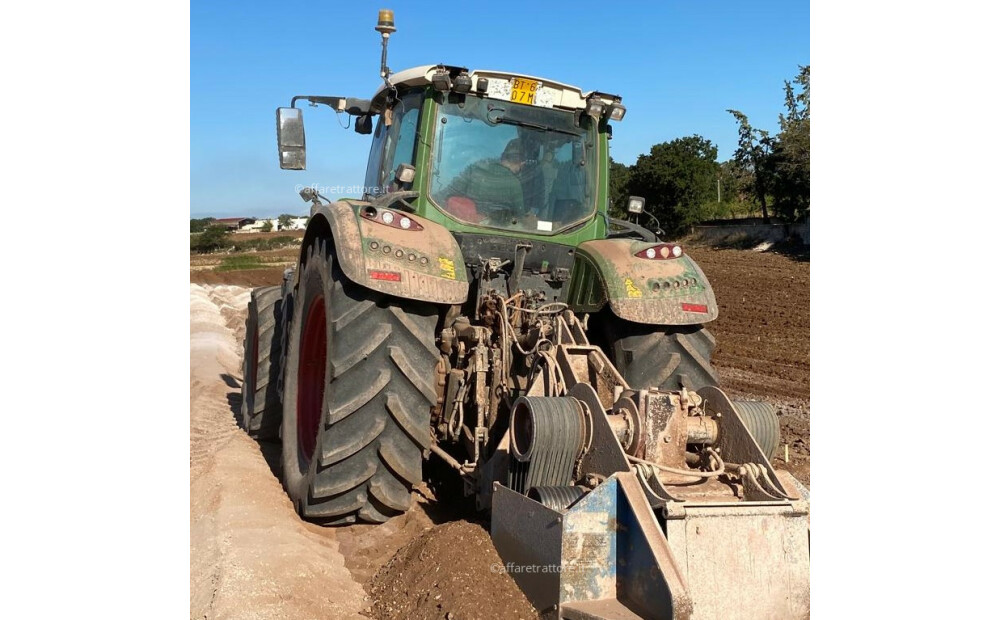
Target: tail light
<point>390,218</point>
<point>662,251</point>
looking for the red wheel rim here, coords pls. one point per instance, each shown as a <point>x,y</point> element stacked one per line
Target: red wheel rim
<point>312,373</point>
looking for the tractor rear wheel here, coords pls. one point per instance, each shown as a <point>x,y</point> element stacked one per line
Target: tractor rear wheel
<point>358,392</point>
<point>668,357</point>
<point>260,413</point>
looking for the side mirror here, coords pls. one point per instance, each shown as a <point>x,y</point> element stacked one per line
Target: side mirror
<point>291,139</point>
<point>636,204</point>
<point>363,124</point>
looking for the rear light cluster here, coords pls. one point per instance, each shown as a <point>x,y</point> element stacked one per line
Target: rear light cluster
<point>390,218</point>
<point>661,252</point>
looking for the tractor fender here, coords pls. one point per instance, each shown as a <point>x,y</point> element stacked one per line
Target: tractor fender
<point>671,291</point>
<point>424,264</point>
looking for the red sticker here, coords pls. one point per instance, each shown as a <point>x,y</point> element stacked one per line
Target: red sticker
<point>695,308</point>
<point>391,276</point>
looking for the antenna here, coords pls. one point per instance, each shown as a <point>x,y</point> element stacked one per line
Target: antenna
<point>386,25</point>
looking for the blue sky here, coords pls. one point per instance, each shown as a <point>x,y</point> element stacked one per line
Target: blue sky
<point>677,65</point>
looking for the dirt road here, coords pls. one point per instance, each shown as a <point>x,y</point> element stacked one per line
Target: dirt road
<point>251,556</point>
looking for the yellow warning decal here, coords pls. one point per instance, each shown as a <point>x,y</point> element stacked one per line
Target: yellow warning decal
<point>631,289</point>
<point>447,268</point>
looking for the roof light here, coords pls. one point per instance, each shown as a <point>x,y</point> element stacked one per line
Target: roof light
<point>386,22</point>
<point>677,251</point>
<point>463,83</point>
<point>404,223</point>
<point>616,111</point>
<point>441,81</point>
<point>595,107</point>
<point>387,217</point>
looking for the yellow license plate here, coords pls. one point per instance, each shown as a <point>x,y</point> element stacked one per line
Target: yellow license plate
<point>523,91</point>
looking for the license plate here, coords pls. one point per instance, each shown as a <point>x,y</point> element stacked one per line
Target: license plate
<point>523,91</point>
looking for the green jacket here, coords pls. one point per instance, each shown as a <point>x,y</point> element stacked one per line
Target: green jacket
<point>490,185</point>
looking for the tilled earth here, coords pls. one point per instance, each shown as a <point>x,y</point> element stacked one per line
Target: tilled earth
<point>762,336</point>
<point>252,557</point>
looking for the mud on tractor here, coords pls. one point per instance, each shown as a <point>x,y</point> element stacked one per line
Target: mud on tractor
<point>479,305</point>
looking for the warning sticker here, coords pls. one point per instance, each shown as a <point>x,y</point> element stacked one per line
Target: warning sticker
<point>447,267</point>
<point>631,289</point>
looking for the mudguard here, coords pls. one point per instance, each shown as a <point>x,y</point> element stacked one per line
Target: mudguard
<point>425,265</point>
<point>657,292</point>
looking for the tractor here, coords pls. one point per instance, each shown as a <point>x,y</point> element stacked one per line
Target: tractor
<point>479,305</point>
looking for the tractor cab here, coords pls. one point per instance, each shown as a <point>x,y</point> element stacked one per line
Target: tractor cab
<point>480,151</point>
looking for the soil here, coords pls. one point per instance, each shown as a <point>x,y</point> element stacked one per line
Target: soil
<point>452,571</point>
<point>251,555</point>
<point>762,336</point>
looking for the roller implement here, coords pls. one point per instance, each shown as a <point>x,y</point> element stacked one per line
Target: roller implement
<point>479,305</point>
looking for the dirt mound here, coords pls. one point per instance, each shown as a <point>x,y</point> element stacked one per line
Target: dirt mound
<point>246,277</point>
<point>450,572</point>
<point>251,556</point>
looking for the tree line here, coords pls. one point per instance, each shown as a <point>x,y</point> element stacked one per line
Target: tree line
<point>684,184</point>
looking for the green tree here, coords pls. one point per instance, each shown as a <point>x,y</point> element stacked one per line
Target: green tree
<point>678,180</point>
<point>214,238</point>
<point>790,160</point>
<point>199,225</point>
<point>284,221</point>
<point>618,180</point>
<point>778,166</point>
<point>752,158</point>
<point>267,227</point>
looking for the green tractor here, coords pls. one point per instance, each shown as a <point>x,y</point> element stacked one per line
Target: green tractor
<point>479,305</point>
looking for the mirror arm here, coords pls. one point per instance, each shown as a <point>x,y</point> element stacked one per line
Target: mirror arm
<point>354,107</point>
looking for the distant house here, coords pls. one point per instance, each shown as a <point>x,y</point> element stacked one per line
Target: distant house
<point>258,224</point>
<point>298,223</point>
<point>234,223</point>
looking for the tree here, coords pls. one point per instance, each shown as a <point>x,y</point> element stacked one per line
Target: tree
<point>778,166</point>
<point>678,180</point>
<point>285,221</point>
<point>751,157</point>
<point>199,225</point>
<point>618,180</point>
<point>791,151</point>
<point>267,227</point>
<point>214,238</point>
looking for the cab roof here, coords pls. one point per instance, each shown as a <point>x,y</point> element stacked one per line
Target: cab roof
<point>563,95</point>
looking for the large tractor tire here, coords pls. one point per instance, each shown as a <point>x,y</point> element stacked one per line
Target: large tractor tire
<point>668,357</point>
<point>260,413</point>
<point>358,392</point>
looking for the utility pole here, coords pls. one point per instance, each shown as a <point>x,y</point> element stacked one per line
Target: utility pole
<point>718,187</point>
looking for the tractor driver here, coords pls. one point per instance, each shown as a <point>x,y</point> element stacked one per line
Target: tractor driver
<point>490,190</point>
